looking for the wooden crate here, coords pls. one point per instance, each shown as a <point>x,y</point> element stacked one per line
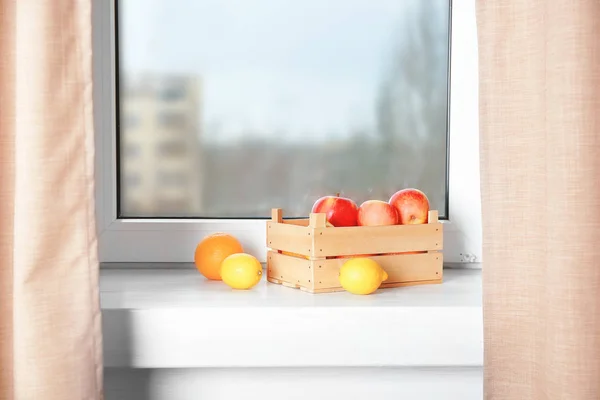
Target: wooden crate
<point>305,254</point>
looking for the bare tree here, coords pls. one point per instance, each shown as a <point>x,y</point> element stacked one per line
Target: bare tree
<point>413,102</point>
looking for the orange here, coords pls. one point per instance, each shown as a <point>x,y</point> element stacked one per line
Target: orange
<point>212,250</point>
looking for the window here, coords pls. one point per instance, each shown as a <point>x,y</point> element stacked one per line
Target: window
<point>169,149</point>
<point>133,180</point>
<point>172,120</point>
<point>131,151</point>
<point>290,101</point>
<point>172,205</point>
<point>130,121</point>
<point>172,178</point>
<point>173,92</point>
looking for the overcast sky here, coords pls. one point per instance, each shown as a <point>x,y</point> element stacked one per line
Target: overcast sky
<point>305,69</point>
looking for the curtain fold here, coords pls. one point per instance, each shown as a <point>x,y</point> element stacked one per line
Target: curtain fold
<point>50,332</point>
<point>540,147</point>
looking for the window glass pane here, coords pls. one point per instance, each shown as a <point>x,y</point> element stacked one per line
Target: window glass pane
<point>229,109</point>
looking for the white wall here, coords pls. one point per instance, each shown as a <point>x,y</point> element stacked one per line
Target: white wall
<point>294,384</point>
<point>464,234</point>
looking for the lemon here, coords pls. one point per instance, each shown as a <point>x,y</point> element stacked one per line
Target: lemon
<point>361,275</point>
<point>241,271</point>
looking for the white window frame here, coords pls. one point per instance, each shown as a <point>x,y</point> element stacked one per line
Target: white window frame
<point>171,240</point>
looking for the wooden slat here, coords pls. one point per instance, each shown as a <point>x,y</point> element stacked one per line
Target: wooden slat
<point>294,271</point>
<point>378,239</point>
<point>288,237</point>
<point>403,268</point>
<point>383,286</point>
<point>297,221</point>
<point>413,283</point>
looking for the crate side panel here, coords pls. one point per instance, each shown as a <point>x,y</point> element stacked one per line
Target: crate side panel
<point>289,237</point>
<point>412,267</point>
<point>297,221</point>
<point>386,285</point>
<point>289,269</point>
<point>400,268</point>
<point>378,239</point>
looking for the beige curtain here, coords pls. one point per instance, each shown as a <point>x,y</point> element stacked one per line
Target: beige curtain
<point>50,343</point>
<point>540,161</point>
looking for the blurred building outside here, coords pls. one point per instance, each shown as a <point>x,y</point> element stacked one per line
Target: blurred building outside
<point>160,147</point>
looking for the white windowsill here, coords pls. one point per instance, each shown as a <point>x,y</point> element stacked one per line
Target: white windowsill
<point>159,318</point>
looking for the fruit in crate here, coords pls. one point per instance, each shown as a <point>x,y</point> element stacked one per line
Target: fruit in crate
<point>361,276</point>
<point>377,213</point>
<point>339,211</point>
<point>412,206</point>
<point>212,250</point>
<point>241,271</point>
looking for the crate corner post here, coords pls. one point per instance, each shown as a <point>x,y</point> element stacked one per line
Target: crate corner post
<point>432,216</point>
<point>277,215</point>
<point>317,220</point>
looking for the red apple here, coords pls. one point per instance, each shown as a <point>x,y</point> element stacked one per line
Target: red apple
<point>377,213</point>
<point>340,211</point>
<point>412,206</point>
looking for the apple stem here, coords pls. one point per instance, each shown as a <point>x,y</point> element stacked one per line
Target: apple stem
<point>337,194</point>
